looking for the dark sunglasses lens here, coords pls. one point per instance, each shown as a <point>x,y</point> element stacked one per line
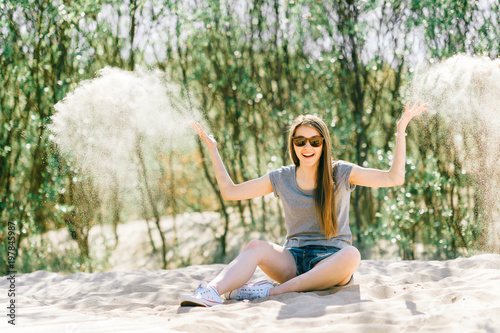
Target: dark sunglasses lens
<point>299,142</point>
<point>316,142</point>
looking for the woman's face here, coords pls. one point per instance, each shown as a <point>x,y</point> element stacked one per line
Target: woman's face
<point>308,155</point>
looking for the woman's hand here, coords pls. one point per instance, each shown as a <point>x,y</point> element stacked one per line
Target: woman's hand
<point>396,175</point>
<point>208,139</point>
<point>248,190</point>
<point>409,114</point>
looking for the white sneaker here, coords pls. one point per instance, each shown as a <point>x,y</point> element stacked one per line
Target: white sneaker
<point>205,295</point>
<point>250,291</point>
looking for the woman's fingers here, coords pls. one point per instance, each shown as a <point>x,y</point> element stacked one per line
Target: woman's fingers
<point>409,113</point>
<point>416,109</point>
<point>193,125</point>
<point>202,131</point>
<point>197,127</point>
<point>208,139</point>
<point>421,109</point>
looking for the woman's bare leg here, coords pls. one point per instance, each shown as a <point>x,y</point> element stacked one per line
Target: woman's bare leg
<point>277,262</point>
<point>335,270</point>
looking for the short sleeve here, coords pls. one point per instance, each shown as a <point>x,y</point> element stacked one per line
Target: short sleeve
<point>342,172</point>
<point>275,177</point>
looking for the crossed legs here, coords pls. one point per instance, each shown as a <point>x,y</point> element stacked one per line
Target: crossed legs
<point>279,264</point>
<point>332,271</point>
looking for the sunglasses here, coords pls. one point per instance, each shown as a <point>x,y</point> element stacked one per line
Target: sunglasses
<point>315,141</point>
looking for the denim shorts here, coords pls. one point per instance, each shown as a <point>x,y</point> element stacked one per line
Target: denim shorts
<point>308,256</point>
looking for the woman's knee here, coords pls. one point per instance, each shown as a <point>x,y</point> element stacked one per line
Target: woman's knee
<point>263,251</point>
<point>352,255</point>
<point>256,246</point>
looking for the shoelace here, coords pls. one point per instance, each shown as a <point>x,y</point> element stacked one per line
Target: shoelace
<point>249,293</point>
<point>205,292</point>
<point>201,290</point>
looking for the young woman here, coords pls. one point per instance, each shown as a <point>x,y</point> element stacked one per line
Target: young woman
<point>315,194</point>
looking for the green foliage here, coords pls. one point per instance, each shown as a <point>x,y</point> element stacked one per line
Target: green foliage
<point>444,228</point>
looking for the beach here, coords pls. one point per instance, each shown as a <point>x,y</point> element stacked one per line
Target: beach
<point>460,295</point>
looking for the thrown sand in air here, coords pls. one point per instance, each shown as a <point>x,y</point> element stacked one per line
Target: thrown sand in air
<point>108,121</point>
<point>464,92</point>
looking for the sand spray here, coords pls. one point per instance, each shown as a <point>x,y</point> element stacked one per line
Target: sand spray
<point>464,94</point>
<point>104,122</point>
<point>118,130</point>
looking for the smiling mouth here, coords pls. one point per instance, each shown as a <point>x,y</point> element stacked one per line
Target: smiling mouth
<point>308,155</point>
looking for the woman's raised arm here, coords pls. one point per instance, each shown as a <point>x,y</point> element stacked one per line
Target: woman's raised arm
<point>396,174</point>
<point>230,191</point>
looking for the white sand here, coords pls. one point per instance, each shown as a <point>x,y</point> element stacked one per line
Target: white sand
<point>461,295</point>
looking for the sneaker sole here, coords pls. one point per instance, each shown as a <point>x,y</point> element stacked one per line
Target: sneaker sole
<point>193,301</point>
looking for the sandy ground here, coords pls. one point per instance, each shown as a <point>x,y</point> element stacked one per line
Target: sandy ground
<point>461,295</point>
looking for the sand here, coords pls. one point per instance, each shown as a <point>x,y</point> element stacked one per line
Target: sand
<point>461,295</point>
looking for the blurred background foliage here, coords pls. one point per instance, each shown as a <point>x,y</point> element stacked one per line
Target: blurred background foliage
<point>252,66</point>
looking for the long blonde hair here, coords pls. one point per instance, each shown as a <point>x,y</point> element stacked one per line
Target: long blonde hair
<point>324,194</point>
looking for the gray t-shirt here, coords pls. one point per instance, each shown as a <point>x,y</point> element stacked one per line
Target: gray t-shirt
<point>301,223</point>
